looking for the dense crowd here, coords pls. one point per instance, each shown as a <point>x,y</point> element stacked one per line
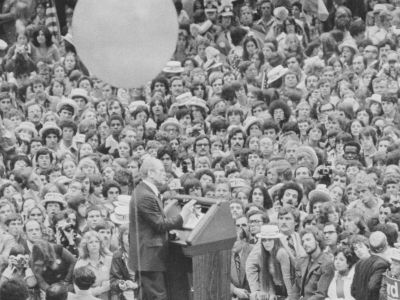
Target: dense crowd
<point>289,112</point>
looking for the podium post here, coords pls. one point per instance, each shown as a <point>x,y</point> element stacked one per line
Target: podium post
<point>199,264</point>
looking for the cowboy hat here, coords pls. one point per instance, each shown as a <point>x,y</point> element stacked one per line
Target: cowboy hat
<point>120,215</point>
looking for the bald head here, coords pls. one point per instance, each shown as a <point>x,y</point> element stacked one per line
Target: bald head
<point>378,242</point>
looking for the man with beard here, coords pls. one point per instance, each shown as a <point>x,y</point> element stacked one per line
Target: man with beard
<point>236,140</point>
<point>342,21</point>
<point>316,270</point>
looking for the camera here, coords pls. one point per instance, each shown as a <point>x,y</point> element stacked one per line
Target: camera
<point>325,171</point>
<point>20,261</point>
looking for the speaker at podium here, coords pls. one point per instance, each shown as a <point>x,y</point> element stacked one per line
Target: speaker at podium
<point>200,253</point>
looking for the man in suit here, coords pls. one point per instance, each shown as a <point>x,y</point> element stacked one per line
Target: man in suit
<point>315,271</point>
<point>369,272</point>
<point>148,231</point>
<point>240,251</point>
<point>288,222</point>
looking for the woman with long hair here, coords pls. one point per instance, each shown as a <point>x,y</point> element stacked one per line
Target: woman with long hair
<point>270,267</point>
<point>340,286</point>
<point>94,255</point>
<point>43,47</point>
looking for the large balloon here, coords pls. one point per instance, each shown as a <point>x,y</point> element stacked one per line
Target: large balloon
<point>126,43</point>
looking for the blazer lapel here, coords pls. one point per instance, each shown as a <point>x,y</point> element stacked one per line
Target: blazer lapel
<point>156,197</point>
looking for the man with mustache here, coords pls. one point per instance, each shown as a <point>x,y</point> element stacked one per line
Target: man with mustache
<point>236,140</point>
<point>288,222</point>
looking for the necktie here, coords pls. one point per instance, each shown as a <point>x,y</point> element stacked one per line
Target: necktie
<point>291,245</point>
<point>237,263</point>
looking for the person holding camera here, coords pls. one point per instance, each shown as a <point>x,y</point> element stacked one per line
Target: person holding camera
<point>18,268</point>
<point>65,233</point>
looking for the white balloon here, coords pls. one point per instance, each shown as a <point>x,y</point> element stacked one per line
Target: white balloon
<point>126,43</point>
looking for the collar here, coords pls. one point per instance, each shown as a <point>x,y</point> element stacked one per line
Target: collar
<point>152,187</point>
<point>82,292</point>
<point>99,262</point>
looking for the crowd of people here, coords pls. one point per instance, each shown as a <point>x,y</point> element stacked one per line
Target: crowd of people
<point>289,112</point>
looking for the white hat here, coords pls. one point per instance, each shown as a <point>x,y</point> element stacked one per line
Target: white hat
<point>350,44</point>
<point>173,67</point>
<point>3,45</point>
<point>66,101</point>
<point>54,197</point>
<point>281,13</point>
<point>183,98</point>
<point>250,121</point>
<point>226,11</point>
<point>196,101</point>
<point>269,232</point>
<point>122,200</point>
<point>120,215</point>
<point>374,98</point>
<point>171,121</point>
<point>135,104</point>
<point>48,126</point>
<point>276,73</point>
<point>29,126</point>
<point>79,138</point>
<point>78,92</point>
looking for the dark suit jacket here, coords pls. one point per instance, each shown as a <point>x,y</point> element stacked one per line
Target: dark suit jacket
<point>315,285</point>
<point>368,278</point>
<point>148,231</point>
<point>239,279</point>
<point>119,271</point>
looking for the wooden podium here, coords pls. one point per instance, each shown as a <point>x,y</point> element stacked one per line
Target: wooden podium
<point>199,265</point>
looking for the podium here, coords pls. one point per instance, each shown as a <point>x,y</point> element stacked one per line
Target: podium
<point>200,257</point>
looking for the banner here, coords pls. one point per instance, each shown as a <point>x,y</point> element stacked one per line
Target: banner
<point>393,288</point>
